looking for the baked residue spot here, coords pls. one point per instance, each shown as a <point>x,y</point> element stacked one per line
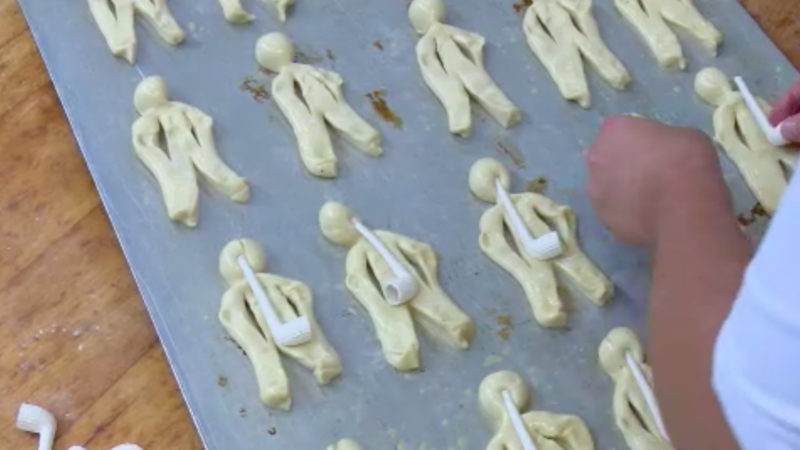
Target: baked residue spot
<point>378,100</point>
<point>222,381</point>
<point>510,149</point>
<point>746,219</point>
<point>377,44</point>
<point>272,431</point>
<point>521,5</point>
<point>305,58</point>
<point>537,185</point>
<point>505,323</point>
<point>257,89</point>
<point>330,55</point>
<point>242,412</point>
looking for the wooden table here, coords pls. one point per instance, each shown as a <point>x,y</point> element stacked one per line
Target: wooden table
<point>75,335</point>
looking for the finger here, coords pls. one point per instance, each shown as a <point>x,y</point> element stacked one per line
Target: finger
<point>790,129</point>
<point>788,105</point>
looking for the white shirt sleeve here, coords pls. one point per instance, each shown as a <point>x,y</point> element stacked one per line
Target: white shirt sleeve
<point>756,366</point>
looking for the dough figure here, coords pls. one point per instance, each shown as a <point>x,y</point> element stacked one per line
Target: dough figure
<point>190,144</point>
<point>559,32</point>
<point>319,100</point>
<point>451,60</point>
<point>116,23</point>
<point>345,444</point>
<point>290,299</point>
<point>540,215</point>
<point>650,17</point>
<point>735,129</point>
<point>548,431</point>
<point>235,13</point>
<point>393,324</point>
<point>631,412</point>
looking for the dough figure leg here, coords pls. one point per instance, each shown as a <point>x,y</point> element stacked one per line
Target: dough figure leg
<point>536,277</point>
<point>209,164</point>
<point>117,26</point>
<point>478,83</point>
<point>573,262</point>
<point>234,12</point>
<point>363,135</point>
<point>260,349</point>
<point>172,170</point>
<point>685,15</point>
<point>393,325</point>
<point>160,18</point>
<point>651,27</point>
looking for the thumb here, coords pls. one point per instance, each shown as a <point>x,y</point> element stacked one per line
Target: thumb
<point>790,128</point>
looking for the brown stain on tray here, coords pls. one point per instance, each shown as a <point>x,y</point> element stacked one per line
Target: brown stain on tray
<point>257,89</point>
<point>748,218</point>
<point>521,5</point>
<point>378,44</point>
<point>378,101</point>
<point>506,326</point>
<point>510,149</point>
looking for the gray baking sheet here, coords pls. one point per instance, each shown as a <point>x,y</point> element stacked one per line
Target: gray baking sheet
<point>418,188</point>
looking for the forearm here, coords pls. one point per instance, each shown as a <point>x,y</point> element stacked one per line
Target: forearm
<point>699,258</point>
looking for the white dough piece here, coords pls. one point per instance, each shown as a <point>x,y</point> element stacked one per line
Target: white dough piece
<point>451,61</point>
<point>190,144</point>
<point>548,431</point>
<point>345,444</point>
<point>290,299</point>
<point>320,101</point>
<point>559,32</point>
<point>631,412</point>
<point>394,326</point>
<point>650,18</point>
<point>541,215</point>
<point>116,23</point>
<point>235,12</point>
<point>760,163</point>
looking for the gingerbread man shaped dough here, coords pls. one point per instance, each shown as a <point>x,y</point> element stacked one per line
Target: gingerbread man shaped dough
<point>760,163</point>
<point>540,216</point>
<point>320,101</point>
<point>290,299</point>
<point>632,413</point>
<point>548,431</point>
<point>451,60</point>
<point>190,145</point>
<point>116,23</point>
<point>650,17</point>
<point>394,326</point>
<point>559,32</point>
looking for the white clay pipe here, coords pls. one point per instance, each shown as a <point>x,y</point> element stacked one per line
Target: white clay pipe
<point>648,394</point>
<point>35,419</point>
<point>773,133</point>
<point>294,332</point>
<point>403,287</point>
<point>517,423</point>
<point>544,247</point>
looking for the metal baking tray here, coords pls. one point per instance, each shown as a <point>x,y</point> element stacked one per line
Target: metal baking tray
<point>418,188</point>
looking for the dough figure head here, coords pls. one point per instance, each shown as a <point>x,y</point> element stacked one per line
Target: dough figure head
<point>228,265</point>
<point>613,348</point>
<point>150,93</point>
<point>712,85</point>
<point>335,224</point>
<point>424,13</point>
<point>274,51</point>
<point>482,178</point>
<point>490,393</point>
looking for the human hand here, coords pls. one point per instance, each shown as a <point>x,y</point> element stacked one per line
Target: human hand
<point>641,170</point>
<point>787,111</point>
